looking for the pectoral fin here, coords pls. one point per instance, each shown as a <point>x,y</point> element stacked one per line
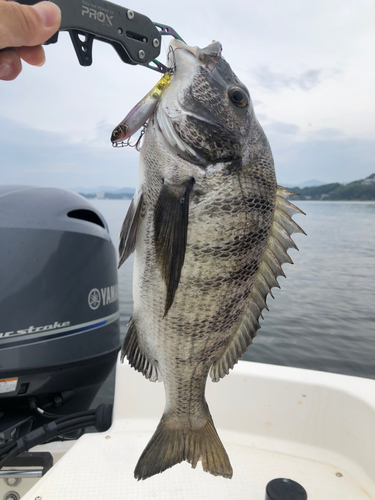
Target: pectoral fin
<point>170,224</point>
<point>129,229</point>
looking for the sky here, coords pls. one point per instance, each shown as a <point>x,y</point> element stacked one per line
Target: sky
<point>308,65</point>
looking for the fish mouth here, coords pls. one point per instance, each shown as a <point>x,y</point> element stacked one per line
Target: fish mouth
<point>172,111</point>
<point>182,58</point>
<point>207,57</point>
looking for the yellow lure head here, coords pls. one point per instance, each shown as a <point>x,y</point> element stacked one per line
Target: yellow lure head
<point>161,85</point>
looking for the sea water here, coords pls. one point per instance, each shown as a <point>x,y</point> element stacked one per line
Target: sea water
<point>323,318</point>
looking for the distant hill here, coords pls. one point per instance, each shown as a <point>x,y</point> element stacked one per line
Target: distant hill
<point>361,190</point>
<point>311,183</point>
<point>106,192</point>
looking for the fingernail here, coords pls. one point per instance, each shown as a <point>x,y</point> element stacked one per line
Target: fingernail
<point>5,70</point>
<point>49,12</point>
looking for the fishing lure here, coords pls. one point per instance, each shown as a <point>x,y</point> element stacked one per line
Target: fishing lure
<point>140,113</point>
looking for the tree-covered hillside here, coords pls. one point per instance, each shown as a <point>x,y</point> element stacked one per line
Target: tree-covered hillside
<point>362,190</point>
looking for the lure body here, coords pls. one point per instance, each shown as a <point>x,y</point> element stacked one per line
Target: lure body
<point>141,112</point>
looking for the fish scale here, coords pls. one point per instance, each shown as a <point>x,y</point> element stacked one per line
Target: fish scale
<point>210,230</point>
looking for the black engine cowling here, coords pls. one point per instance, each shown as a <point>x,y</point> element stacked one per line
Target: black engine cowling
<point>59,310</point>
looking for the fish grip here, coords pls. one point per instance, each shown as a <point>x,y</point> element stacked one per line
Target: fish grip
<point>82,43</point>
<point>136,39</point>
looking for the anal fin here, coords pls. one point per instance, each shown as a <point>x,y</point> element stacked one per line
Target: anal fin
<point>136,356</point>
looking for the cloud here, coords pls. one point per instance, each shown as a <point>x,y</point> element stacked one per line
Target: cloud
<point>306,80</point>
<point>326,133</point>
<point>326,155</point>
<point>30,156</point>
<point>281,128</point>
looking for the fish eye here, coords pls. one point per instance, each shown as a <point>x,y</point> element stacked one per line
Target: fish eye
<point>238,97</point>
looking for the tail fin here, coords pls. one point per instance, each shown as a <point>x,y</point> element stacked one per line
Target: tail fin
<point>170,446</point>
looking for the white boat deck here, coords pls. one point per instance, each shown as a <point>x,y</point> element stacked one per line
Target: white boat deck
<point>315,428</point>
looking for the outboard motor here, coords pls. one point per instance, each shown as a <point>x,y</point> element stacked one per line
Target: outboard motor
<point>59,310</point>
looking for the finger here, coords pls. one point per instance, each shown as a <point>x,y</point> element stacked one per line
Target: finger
<point>27,25</point>
<point>10,64</point>
<point>32,55</point>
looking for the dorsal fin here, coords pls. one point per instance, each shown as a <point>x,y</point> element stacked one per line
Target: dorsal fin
<point>275,255</point>
<point>129,229</point>
<point>171,220</point>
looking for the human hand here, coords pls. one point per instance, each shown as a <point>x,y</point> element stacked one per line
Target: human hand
<point>23,29</point>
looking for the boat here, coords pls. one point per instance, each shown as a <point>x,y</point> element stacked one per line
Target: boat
<point>312,428</point>
<point>290,433</point>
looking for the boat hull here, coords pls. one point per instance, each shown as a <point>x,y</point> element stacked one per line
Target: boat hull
<point>313,427</point>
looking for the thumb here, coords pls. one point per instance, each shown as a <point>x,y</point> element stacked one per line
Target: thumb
<point>23,25</point>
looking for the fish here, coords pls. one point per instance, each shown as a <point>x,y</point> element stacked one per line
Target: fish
<point>210,229</point>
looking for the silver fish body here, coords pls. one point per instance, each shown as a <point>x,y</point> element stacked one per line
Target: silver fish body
<point>210,230</point>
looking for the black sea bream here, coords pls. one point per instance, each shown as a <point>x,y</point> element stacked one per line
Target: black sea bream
<point>210,229</point>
